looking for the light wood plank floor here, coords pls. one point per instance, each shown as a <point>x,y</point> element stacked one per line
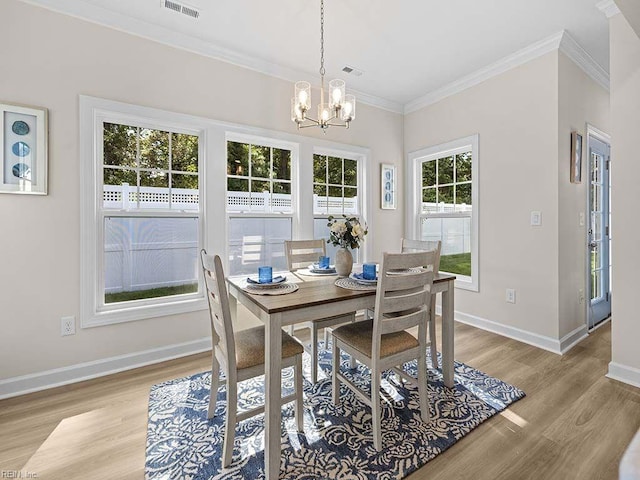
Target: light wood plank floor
<point>574,423</point>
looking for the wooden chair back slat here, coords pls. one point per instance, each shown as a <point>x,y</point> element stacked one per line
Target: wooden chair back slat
<point>407,245</point>
<point>302,253</point>
<point>401,303</point>
<point>404,322</point>
<point>404,282</point>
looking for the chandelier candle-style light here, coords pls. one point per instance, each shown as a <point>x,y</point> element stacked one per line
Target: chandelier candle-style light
<point>337,112</point>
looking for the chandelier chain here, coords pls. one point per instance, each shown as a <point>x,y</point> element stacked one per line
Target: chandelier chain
<point>322,71</point>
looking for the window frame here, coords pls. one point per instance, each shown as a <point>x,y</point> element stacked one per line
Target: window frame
<point>232,136</point>
<point>93,114</point>
<point>413,203</point>
<point>362,190</point>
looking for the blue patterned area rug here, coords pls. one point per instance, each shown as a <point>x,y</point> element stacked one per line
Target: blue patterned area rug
<point>337,443</point>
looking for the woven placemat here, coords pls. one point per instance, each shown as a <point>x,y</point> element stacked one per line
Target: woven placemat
<point>280,289</point>
<point>351,284</point>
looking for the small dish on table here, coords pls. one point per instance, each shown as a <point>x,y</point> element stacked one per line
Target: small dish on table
<point>275,281</point>
<point>359,277</point>
<point>315,268</point>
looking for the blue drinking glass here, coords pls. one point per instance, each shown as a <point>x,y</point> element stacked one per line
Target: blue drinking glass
<point>265,274</point>
<point>369,271</point>
<point>323,261</point>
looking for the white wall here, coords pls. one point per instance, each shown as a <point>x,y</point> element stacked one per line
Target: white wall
<point>631,11</point>
<point>524,118</point>
<point>625,166</point>
<point>58,58</point>
<point>515,115</point>
<point>580,101</point>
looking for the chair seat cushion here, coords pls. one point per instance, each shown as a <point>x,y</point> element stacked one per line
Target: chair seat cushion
<point>360,336</point>
<point>250,347</point>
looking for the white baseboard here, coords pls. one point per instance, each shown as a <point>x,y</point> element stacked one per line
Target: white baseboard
<point>624,373</point>
<point>571,339</point>
<point>546,343</point>
<point>34,382</point>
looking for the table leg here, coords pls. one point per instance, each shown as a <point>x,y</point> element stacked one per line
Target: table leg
<point>233,309</point>
<point>273,413</point>
<point>447,334</point>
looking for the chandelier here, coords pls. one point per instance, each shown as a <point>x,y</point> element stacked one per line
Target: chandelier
<point>337,112</point>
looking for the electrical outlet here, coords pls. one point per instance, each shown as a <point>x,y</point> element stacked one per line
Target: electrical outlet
<point>511,295</point>
<point>581,296</point>
<point>68,326</point>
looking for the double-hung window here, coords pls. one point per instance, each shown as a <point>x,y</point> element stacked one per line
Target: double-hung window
<point>336,192</point>
<point>260,203</point>
<point>446,203</point>
<point>143,224</point>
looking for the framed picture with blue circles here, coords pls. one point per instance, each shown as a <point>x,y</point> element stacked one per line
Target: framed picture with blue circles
<point>23,149</point>
<point>388,187</point>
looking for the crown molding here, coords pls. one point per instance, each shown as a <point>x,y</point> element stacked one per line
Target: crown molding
<point>160,34</point>
<point>608,7</point>
<point>580,57</point>
<point>516,59</point>
<point>560,41</point>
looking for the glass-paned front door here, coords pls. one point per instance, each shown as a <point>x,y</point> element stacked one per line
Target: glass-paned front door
<point>599,238</point>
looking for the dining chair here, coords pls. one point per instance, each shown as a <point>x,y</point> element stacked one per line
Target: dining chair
<point>403,300</point>
<point>407,245</point>
<point>241,356</point>
<point>301,254</point>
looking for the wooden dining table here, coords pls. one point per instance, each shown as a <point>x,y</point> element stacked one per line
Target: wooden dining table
<point>316,298</point>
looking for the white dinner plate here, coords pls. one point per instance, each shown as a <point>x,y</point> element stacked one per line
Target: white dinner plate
<point>323,271</point>
<point>359,277</point>
<point>275,281</point>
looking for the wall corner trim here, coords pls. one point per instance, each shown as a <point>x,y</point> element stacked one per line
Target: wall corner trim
<point>624,373</point>
<point>12,387</point>
<point>580,57</point>
<point>608,7</point>
<point>573,338</point>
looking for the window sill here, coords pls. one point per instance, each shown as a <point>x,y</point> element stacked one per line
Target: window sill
<point>142,312</point>
<point>464,282</point>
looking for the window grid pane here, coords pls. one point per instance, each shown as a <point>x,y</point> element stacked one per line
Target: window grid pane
<point>258,178</point>
<point>446,184</point>
<point>336,189</point>
<point>140,165</point>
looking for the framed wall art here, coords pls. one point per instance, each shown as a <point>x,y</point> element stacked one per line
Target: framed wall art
<point>23,147</point>
<point>388,187</point>
<point>576,157</point>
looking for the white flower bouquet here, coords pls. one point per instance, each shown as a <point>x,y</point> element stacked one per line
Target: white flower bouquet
<point>347,232</point>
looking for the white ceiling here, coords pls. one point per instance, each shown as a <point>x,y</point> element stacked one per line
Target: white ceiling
<point>406,48</point>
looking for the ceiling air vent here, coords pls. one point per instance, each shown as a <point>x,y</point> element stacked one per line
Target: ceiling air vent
<point>352,70</point>
<point>181,8</point>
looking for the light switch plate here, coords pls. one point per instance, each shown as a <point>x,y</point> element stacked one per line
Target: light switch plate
<point>536,218</point>
<point>581,219</point>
